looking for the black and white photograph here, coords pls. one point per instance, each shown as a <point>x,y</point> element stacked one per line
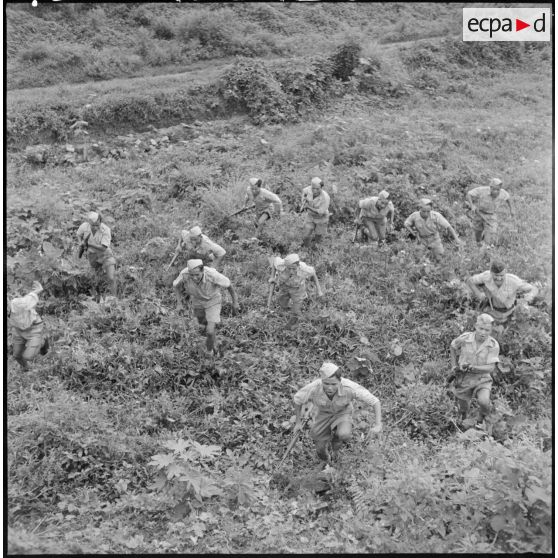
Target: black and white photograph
<point>278,277</point>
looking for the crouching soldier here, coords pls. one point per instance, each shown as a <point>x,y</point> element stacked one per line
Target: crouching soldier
<point>427,224</point>
<point>373,214</point>
<point>27,327</point>
<point>315,201</point>
<point>198,246</point>
<point>497,291</point>
<point>332,396</point>
<point>290,276</point>
<point>94,237</point>
<point>473,358</point>
<point>265,202</point>
<point>203,286</point>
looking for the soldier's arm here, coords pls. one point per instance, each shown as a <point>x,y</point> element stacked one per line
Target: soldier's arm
<point>318,287</point>
<point>474,282</point>
<point>469,200</point>
<point>528,291</point>
<point>510,207</point>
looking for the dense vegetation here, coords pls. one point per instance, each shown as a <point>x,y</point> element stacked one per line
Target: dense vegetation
<point>122,439</point>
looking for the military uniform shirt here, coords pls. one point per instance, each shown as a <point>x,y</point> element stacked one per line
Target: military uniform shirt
<point>207,292</point>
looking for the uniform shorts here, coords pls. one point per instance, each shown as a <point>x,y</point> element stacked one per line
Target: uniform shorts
<point>296,297</point>
<point>325,423</point>
<point>434,245</point>
<point>486,223</point>
<point>376,227</point>
<point>319,229</point>
<point>101,260</point>
<point>211,314</point>
<point>471,384</point>
<point>27,342</point>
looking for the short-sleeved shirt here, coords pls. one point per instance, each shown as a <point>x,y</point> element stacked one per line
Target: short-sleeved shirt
<point>22,311</point>
<point>264,201</point>
<point>427,227</point>
<point>347,392</point>
<point>369,210</point>
<point>505,295</point>
<point>476,354</point>
<point>319,203</point>
<point>207,292</point>
<point>485,202</point>
<point>296,282</point>
<point>102,236</point>
<point>205,247</point>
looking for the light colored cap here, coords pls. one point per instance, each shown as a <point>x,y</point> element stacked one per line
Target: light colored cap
<point>92,216</point>
<point>192,264</point>
<point>316,181</point>
<point>291,259</point>
<point>195,231</point>
<point>495,182</point>
<point>425,201</point>
<point>384,194</point>
<point>254,181</point>
<point>485,319</point>
<point>328,369</point>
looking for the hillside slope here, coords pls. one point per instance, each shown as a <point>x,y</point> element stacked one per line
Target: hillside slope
<point>124,439</point>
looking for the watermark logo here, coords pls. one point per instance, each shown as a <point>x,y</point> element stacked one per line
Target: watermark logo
<point>507,24</point>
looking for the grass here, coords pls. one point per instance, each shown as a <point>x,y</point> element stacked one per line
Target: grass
<point>125,378</point>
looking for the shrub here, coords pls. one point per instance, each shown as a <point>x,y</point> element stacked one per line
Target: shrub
<point>37,52</point>
<point>163,29</point>
<point>251,87</point>
<point>212,30</point>
<point>345,60</point>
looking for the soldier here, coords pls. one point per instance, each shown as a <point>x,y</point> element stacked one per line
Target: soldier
<point>373,213</point>
<point>332,396</point>
<point>265,202</point>
<point>94,236</point>
<point>483,202</point>
<point>315,201</point>
<point>472,373</point>
<point>197,245</point>
<point>290,276</point>
<point>498,291</point>
<point>27,327</point>
<point>203,285</point>
<point>427,224</point>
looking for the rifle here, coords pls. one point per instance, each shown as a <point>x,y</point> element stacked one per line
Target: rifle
<point>271,288</point>
<point>296,434</point>
<point>241,211</point>
<point>171,262</point>
<point>82,247</point>
<point>357,227</point>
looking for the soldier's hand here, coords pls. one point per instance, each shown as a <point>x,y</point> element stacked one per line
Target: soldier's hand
<point>235,309</point>
<point>320,294</point>
<point>450,379</point>
<point>179,307</point>
<point>36,286</point>
<point>376,429</point>
<point>297,426</point>
<point>271,280</point>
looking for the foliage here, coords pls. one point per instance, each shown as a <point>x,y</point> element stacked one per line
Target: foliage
<point>345,60</point>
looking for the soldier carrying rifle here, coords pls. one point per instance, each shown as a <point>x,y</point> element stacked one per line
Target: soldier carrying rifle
<point>264,201</point>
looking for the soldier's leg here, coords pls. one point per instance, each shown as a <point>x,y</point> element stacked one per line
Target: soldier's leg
<point>199,314</point>
<point>261,220</point>
<point>320,231</point>
<point>307,233</point>
<point>296,312</point>
<point>370,228</point>
<point>18,345</point>
<point>110,271</point>
<point>342,435</point>
<point>283,299</point>
<point>437,250</point>
<point>210,336</point>
<point>483,397</point>
<point>213,317</point>
<point>478,229</point>
<point>321,449</point>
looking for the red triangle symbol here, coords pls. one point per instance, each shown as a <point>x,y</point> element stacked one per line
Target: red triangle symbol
<point>519,25</point>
